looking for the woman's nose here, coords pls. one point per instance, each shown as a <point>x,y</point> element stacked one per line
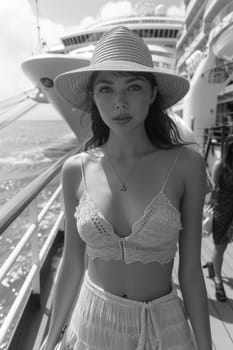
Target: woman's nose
<point>121,101</point>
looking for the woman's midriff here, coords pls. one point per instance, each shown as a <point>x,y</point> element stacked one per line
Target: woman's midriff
<point>136,281</point>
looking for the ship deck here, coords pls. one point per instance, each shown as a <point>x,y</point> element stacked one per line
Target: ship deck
<point>221,314</point>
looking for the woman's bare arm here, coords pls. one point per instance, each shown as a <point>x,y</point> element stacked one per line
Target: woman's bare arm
<point>190,271</point>
<point>73,260</point>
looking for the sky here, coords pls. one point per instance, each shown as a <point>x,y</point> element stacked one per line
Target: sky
<point>19,35</point>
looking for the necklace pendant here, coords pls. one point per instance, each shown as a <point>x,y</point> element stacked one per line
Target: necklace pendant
<point>124,188</point>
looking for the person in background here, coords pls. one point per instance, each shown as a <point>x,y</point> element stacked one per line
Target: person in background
<point>222,203</point>
<point>131,198</point>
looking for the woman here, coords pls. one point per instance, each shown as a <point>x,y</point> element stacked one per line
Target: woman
<point>130,198</point>
<point>222,202</point>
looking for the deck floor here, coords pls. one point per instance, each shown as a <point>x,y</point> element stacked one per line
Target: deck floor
<point>221,314</point>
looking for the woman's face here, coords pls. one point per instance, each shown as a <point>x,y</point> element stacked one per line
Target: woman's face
<point>123,101</point>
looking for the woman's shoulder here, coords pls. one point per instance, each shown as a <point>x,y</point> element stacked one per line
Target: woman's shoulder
<point>71,169</point>
<point>191,170</point>
<point>190,156</point>
<point>191,163</point>
<point>74,163</point>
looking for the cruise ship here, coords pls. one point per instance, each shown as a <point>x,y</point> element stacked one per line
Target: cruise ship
<point>198,47</point>
<point>159,30</point>
<point>204,56</point>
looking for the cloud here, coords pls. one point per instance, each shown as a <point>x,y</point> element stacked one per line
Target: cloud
<point>108,11</point>
<point>19,41</point>
<point>176,11</point>
<point>116,9</point>
<point>86,22</point>
<point>16,39</point>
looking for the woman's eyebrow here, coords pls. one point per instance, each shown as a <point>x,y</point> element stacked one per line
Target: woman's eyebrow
<point>104,81</point>
<point>130,80</point>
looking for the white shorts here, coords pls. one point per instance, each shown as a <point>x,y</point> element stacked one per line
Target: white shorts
<point>103,321</point>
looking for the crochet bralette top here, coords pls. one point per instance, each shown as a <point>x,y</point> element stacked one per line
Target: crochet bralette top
<point>153,236</point>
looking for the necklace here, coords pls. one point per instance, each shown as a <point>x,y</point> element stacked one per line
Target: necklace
<point>124,186</point>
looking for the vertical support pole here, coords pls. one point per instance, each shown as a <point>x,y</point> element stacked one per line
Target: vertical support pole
<point>62,226</point>
<point>35,249</point>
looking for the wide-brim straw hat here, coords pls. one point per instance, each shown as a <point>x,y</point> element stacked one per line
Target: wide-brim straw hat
<point>120,49</point>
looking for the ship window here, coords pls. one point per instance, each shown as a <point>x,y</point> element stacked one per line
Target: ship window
<point>140,32</point>
<point>94,36</point>
<point>151,33</point>
<point>100,35</point>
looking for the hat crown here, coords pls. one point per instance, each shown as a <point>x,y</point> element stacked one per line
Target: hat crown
<point>121,44</point>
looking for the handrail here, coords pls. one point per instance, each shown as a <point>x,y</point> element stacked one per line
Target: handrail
<point>219,24</point>
<point>209,2</point>
<point>223,13</point>
<point>30,231</point>
<point>191,25</point>
<point>18,302</point>
<point>17,98</point>
<point>14,207</point>
<point>14,117</point>
<point>9,212</point>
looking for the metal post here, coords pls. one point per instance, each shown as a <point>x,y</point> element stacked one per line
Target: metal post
<point>35,249</point>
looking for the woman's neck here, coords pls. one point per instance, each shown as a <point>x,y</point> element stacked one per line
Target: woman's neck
<point>126,146</point>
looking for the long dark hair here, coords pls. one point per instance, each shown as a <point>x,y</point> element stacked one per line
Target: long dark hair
<point>160,128</point>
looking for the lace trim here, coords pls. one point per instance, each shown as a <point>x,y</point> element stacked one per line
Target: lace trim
<point>130,258</point>
<point>102,242</point>
<point>93,213</point>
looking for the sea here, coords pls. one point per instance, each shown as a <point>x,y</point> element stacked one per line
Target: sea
<point>27,149</point>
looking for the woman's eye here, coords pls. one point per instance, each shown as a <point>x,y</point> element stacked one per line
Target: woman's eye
<point>134,87</point>
<point>105,89</point>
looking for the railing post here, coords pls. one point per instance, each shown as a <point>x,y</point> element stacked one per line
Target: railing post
<point>35,250</point>
<point>62,227</point>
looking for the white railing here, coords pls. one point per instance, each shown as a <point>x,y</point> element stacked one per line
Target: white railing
<point>222,21</point>
<point>27,198</point>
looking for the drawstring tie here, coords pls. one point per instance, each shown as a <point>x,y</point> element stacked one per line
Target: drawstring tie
<point>146,323</point>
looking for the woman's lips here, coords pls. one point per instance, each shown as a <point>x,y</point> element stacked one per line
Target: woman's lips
<point>122,119</point>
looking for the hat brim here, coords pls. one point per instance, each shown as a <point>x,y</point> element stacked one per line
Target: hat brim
<point>73,86</point>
